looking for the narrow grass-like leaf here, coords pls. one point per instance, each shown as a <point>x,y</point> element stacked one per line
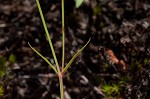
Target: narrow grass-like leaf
<point>78,3</point>
<point>74,57</point>
<point>47,35</point>
<point>44,58</point>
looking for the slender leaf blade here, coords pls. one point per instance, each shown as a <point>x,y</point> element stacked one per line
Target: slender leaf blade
<point>47,34</point>
<point>74,57</point>
<point>44,58</point>
<point>78,3</point>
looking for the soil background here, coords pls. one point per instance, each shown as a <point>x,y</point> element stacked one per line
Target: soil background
<point>119,30</point>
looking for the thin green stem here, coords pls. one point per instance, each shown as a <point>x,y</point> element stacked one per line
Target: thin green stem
<point>61,86</point>
<point>63,35</point>
<point>47,35</point>
<point>63,52</point>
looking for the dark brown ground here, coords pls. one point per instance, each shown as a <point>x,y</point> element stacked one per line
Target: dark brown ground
<point>122,26</point>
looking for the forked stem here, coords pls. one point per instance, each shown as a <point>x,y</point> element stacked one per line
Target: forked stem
<point>57,69</point>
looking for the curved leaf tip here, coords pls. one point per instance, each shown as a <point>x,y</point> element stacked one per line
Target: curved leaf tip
<point>46,60</point>
<point>75,56</point>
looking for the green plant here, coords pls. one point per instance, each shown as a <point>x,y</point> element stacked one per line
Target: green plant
<point>2,66</point>
<point>2,72</point>
<point>4,63</point>
<point>59,71</point>
<point>12,58</point>
<point>124,80</point>
<point>111,89</point>
<point>1,91</point>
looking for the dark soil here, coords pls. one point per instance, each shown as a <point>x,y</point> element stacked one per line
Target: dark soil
<point>118,53</point>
